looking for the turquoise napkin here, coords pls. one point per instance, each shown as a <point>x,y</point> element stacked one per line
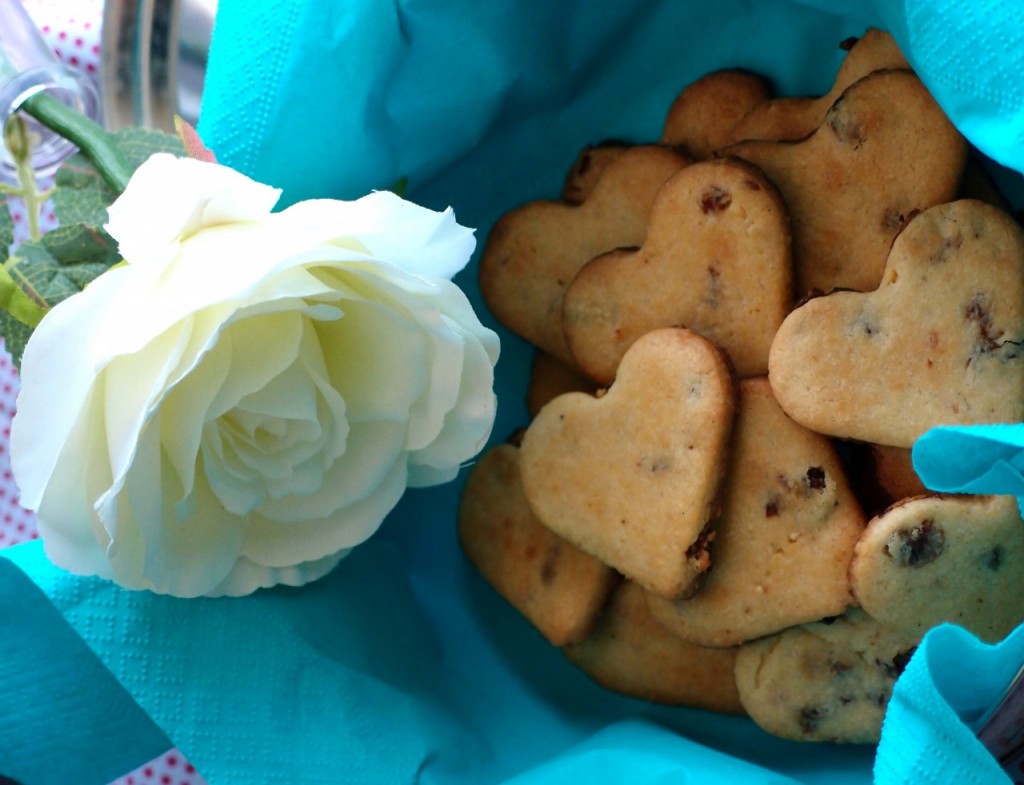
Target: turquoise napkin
<point>989,459</point>
<point>950,683</point>
<point>65,717</point>
<point>403,666</point>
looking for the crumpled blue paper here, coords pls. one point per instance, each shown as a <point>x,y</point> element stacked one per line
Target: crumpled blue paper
<point>949,685</point>
<point>973,459</point>
<point>403,665</point>
<point>48,672</point>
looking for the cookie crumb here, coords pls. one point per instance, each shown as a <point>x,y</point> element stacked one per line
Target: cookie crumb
<point>699,552</point>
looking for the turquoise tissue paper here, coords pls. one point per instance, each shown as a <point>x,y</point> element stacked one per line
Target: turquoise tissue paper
<point>403,665</point>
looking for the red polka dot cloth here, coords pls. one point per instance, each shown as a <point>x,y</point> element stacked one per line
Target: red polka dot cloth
<point>72,29</point>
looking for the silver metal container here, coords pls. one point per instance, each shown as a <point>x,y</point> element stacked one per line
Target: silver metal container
<point>154,60</point>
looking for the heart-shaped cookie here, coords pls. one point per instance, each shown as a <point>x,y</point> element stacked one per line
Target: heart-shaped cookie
<point>587,169</point>
<point>632,477</point>
<point>934,559</point>
<point>535,250</point>
<point>549,378</point>
<point>630,653</point>
<point>940,342</point>
<point>784,540</point>
<point>884,152</point>
<point>795,118</point>
<point>825,681</point>
<point>555,585</point>
<point>704,114</point>
<point>716,260</point>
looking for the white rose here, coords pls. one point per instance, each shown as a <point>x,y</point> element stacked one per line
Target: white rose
<point>248,397</point>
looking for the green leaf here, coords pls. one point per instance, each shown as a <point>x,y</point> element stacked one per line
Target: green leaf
<point>62,263</point>
<point>140,143</point>
<point>82,196</point>
<point>17,303</point>
<point>6,228</point>
<point>15,334</point>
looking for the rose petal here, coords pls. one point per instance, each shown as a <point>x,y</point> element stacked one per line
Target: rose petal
<point>57,377</point>
<point>371,453</point>
<point>191,558</point>
<point>417,240</point>
<point>132,387</point>
<point>151,303</point>
<point>466,428</point>
<point>247,576</point>
<point>273,544</point>
<point>72,535</point>
<point>191,195</point>
<point>374,360</point>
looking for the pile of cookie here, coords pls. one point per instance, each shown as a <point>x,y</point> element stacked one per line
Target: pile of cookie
<point>741,330</point>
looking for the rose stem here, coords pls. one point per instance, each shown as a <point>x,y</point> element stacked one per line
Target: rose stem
<point>95,142</point>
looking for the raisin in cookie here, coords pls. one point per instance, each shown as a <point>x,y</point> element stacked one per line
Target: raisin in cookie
<point>795,118</point>
<point>940,342</point>
<point>784,540</point>
<point>826,681</point>
<point>535,250</point>
<point>884,151</point>
<point>716,260</point>
<point>935,559</point>
<point>633,476</point>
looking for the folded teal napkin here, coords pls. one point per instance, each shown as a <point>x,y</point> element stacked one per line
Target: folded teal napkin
<point>972,459</point>
<point>949,686</point>
<point>65,717</point>
<point>402,665</point>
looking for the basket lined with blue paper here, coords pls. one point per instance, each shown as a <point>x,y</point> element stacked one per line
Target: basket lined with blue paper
<point>402,664</point>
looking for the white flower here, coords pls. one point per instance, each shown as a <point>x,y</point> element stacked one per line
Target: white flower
<point>248,397</point>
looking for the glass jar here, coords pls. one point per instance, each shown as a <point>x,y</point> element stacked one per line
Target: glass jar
<point>28,66</point>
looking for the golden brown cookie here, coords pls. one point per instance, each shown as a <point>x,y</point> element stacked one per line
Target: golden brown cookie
<point>704,114</point>
<point>795,118</point>
<point>632,477</point>
<point>934,559</point>
<point>534,251</point>
<point>556,586</point>
<point>784,540</point>
<point>884,152</point>
<point>549,378</point>
<point>826,681</point>
<point>587,169</point>
<point>716,260</point>
<point>939,342</point>
<point>630,653</point>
